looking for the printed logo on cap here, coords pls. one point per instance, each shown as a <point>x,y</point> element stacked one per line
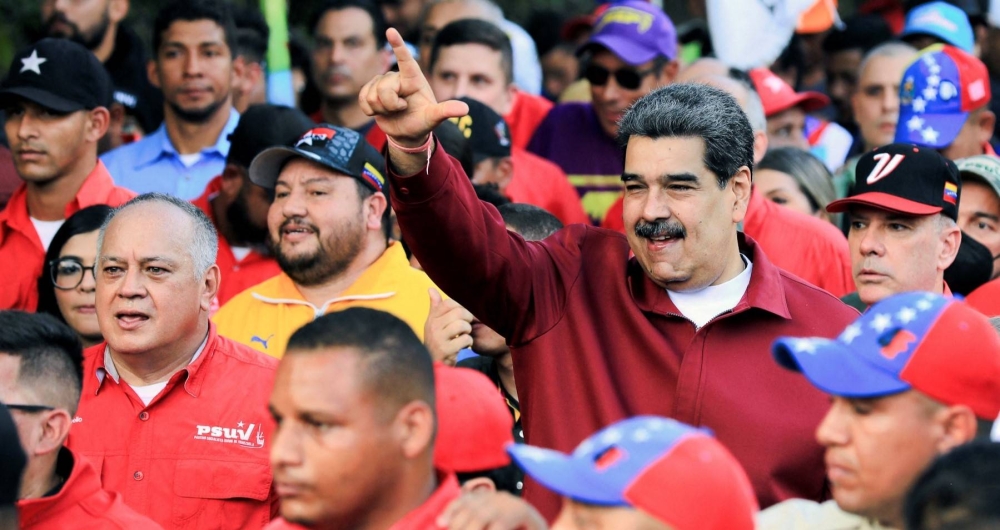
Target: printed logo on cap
<point>950,193</point>
<point>884,165</point>
<point>369,172</point>
<point>32,63</point>
<point>320,134</point>
<point>934,17</point>
<point>464,124</point>
<point>501,130</point>
<point>625,15</point>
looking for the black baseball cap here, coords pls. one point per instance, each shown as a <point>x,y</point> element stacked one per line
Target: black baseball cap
<point>338,148</point>
<point>488,134</point>
<point>263,126</point>
<point>59,75</point>
<point>904,178</point>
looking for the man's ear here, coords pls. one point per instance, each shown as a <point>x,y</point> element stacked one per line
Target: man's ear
<point>479,485</point>
<point>54,432</point>
<point>211,283</point>
<point>414,429</point>
<point>232,181</point>
<point>951,240</point>
<point>986,122</point>
<point>152,73</point>
<point>377,203</point>
<point>117,10</point>
<point>958,424</point>
<point>505,173</point>
<point>740,183</point>
<point>100,120</point>
<point>669,72</point>
<point>760,144</point>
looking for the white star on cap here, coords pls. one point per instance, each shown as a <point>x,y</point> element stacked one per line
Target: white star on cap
<point>919,105</point>
<point>774,84</point>
<point>850,333</point>
<point>933,80</point>
<point>929,135</point>
<point>906,315</point>
<point>640,435</point>
<point>929,59</point>
<point>930,93</point>
<point>947,90</point>
<point>32,62</point>
<point>804,346</point>
<point>934,69</point>
<point>924,305</point>
<point>915,123</point>
<point>881,322</point>
<point>612,436</point>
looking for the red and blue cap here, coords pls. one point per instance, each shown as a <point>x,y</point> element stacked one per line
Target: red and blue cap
<point>676,473</point>
<point>942,21</point>
<point>635,31</point>
<point>927,342</point>
<point>939,90</point>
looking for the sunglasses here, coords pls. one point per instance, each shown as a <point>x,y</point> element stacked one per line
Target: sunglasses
<point>28,408</point>
<point>627,78</point>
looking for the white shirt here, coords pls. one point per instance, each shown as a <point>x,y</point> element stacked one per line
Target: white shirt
<point>240,253</point>
<point>189,160</point>
<point>704,305</point>
<point>47,230</point>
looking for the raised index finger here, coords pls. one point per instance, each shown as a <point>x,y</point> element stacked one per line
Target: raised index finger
<point>407,64</point>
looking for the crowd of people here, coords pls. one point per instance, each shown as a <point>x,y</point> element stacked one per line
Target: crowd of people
<point>483,277</point>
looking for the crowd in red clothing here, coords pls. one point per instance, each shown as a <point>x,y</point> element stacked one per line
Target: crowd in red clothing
<point>605,271</point>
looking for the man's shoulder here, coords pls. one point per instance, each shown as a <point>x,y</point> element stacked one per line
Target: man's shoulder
<point>245,359</point>
<point>568,113</point>
<point>126,156</point>
<point>801,514</point>
<point>807,297</point>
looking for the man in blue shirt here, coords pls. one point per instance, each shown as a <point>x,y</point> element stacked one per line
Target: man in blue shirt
<point>193,66</point>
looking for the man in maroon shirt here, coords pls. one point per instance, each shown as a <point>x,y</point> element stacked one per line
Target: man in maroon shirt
<point>354,403</point>
<point>681,329</point>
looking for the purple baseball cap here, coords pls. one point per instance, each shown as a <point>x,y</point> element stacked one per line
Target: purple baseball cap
<point>635,31</point>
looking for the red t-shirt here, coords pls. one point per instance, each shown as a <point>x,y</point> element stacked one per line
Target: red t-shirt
<point>237,275</point>
<point>805,246</point>
<point>526,112</point>
<point>422,518</point>
<point>986,299</point>
<point>541,183</point>
<point>197,455</point>
<point>21,251</point>
<point>81,504</point>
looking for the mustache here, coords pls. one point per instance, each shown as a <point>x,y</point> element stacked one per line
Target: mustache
<point>337,69</point>
<point>660,228</point>
<point>59,16</point>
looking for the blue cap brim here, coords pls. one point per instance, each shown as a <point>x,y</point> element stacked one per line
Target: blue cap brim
<point>565,475</point>
<point>624,48</point>
<point>947,125</point>
<point>834,369</point>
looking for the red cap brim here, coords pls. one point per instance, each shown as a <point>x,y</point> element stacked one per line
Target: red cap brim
<point>883,201</point>
<point>809,101</point>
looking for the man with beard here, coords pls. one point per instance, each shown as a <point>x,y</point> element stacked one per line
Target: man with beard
<point>349,50</point>
<point>329,226</point>
<point>238,208</point>
<point>97,25</point>
<point>193,43</point>
<point>675,318</point>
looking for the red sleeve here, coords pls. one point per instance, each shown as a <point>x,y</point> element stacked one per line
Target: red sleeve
<point>518,288</point>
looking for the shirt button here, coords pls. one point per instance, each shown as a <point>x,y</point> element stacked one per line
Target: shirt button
<point>137,475</point>
<point>519,433</point>
<point>143,415</point>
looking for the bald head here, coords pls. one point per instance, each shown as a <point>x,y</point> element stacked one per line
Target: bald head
<point>439,14</point>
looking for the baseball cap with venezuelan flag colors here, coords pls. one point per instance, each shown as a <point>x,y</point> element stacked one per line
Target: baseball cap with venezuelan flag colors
<point>338,148</point>
<point>906,179</point>
<point>937,345</point>
<point>676,473</point>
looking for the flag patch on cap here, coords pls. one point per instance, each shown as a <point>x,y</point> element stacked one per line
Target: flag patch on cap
<point>950,193</point>
<point>373,175</point>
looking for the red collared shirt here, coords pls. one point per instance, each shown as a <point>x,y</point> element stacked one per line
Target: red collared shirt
<point>197,455</point>
<point>237,275</point>
<point>424,517</point>
<point>81,504</point>
<point>21,251</point>
<point>526,112</point>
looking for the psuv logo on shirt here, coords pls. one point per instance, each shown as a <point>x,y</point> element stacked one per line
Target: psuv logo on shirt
<point>239,435</point>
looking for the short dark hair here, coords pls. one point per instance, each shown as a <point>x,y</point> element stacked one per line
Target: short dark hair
<point>532,222</point>
<point>490,194</point>
<point>698,111</point>
<point>51,356</point>
<point>958,491</point>
<point>475,31</point>
<point>379,25</point>
<point>87,220</point>
<point>395,366</point>
<point>217,11</point>
<point>252,34</point>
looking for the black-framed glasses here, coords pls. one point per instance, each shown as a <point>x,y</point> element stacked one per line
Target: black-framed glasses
<point>627,78</point>
<point>67,273</point>
<point>29,408</point>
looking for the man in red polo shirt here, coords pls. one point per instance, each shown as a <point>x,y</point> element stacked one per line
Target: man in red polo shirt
<point>40,385</point>
<point>354,404</point>
<point>173,415</point>
<point>56,96</point>
<point>681,328</point>
<point>238,208</point>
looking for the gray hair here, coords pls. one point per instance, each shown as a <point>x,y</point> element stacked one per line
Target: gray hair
<point>755,111</point>
<point>695,110</point>
<point>205,240</point>
<point>491,11</point>
<point>889,49</point>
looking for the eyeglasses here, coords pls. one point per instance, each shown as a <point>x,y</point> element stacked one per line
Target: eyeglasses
<point>67,273</point>
<point>29,408</point>
<point>627,78</point>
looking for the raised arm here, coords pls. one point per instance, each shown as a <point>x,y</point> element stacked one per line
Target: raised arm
<point>515,287</point>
